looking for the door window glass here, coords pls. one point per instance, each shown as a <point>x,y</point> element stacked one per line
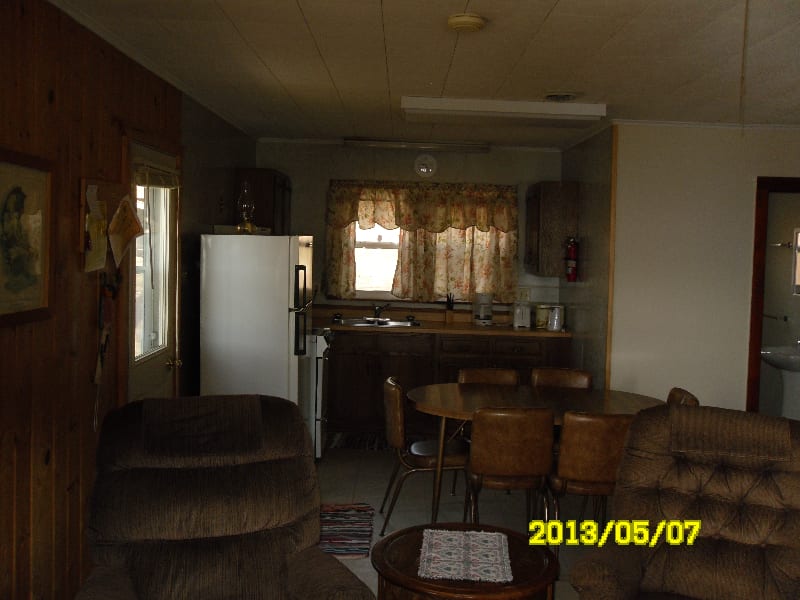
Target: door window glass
<point>151,271</point>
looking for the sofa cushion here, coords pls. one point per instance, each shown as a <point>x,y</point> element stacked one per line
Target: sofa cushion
<point>201,425</point>
<point>681,463</point>
<point>252,566</point>
<point>124,443</point>
<point>168,504</point>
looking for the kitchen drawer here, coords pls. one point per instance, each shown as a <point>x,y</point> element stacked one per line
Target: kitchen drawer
<point>464,344</point>
<point>518,347</point>
<point>416,344</point>
<point>354,343</point>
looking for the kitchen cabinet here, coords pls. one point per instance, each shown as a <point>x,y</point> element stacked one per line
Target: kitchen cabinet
<point>359,362</point>
<point>272,193</point>
<point>551,217</point>
<point>358,365</point>
<point>520,353</point>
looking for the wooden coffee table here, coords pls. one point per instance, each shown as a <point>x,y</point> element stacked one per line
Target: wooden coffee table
<point>396,559</point>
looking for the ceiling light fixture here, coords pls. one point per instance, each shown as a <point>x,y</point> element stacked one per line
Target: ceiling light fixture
<point>466,22</point>
<point>416,145</point>
<point>419,108</point>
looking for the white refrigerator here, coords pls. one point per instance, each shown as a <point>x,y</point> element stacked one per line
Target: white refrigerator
<point>255,315</point>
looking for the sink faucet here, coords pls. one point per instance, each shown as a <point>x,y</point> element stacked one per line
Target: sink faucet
<point>377,309</point>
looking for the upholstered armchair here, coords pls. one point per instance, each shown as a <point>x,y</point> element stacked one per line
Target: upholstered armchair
<point>209,497</point>
<point>738,474</point>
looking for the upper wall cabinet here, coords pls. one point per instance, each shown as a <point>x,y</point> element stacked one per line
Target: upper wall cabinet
<point>551,218</point>
<point>272,193</point>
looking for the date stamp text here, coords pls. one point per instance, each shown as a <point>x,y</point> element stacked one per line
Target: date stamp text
<point>621,532</point>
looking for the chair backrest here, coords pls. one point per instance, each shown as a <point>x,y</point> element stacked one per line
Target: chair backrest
<point>165,466</point>
<point>681,396</point>
<point>511,442</point>
<point>561,377</point>
<point>737,472</point>
<point>591,446</point>
<point>394,402</point>
<point>488,375</point>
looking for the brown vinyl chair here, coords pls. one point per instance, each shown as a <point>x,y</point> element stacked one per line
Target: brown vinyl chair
<point>488,375</point>
<point>681,396</point>
<point>591,447</point>
<point>561,377</point>
<point>512,449</point>
<point>415,457</point>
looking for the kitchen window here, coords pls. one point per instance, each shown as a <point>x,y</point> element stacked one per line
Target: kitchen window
<point>376,259</point>
<point>458,239</point>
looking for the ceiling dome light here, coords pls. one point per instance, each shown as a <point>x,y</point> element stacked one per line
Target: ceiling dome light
<point>462,22</point>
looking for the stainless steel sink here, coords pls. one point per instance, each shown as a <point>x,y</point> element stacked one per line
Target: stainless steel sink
<point>375,322</point>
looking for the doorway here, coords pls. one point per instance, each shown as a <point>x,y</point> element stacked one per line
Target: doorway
<point>153,282</point>
<point>764,187</point>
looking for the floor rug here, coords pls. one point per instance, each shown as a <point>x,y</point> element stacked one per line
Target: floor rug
<point>346,529</point>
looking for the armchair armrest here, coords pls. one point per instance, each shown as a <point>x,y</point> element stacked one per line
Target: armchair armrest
<point>608,573</point>
<point>107,583</point>
<point>314,575</point>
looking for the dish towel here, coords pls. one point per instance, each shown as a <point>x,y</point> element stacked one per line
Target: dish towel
<point>467,555</point>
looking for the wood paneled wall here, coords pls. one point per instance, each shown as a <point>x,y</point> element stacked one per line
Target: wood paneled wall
<point>68,97</point>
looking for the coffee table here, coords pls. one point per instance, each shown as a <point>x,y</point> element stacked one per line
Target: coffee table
<point>396,559</point>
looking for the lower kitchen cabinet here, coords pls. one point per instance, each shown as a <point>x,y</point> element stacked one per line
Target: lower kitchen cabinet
<point>359,363</point>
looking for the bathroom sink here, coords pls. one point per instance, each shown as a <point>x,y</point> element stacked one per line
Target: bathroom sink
<point>376,322</point>
<point>781,357</point>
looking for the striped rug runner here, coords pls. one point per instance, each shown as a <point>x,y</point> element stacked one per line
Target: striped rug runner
<point>346,529</point>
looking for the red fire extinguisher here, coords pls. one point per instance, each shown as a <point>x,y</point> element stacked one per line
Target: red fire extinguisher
<point>572,259</point>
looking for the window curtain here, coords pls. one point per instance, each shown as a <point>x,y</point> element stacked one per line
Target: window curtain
<point>455,238</point>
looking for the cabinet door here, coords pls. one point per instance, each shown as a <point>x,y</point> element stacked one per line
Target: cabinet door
<point>551,217</point>
<point>462,351</point>
<point>271,191</point>
<point>354,386</point>
<point>409,358</point>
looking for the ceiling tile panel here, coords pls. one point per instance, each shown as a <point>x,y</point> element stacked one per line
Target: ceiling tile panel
<point>335,68</point>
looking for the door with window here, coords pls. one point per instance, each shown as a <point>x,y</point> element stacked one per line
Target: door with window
<point>153,283</point>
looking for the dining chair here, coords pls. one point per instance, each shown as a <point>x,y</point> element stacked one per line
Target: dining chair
<point>561,377</point>
<point>512,449</point>
<point>488,375</point>
<point>415,457</point>
<point>591,447</point>
<point>681,396</point>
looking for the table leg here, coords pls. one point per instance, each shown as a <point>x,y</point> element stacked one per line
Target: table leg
<point>437,480</point>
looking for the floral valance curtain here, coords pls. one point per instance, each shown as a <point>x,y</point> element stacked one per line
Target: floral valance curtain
<point>456,238</point>
<point>430,206</point>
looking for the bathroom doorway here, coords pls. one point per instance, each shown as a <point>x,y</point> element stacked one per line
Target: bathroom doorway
<point>765,186</point>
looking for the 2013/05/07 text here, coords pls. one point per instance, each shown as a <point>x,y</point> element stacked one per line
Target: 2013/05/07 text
<point>621,532</point>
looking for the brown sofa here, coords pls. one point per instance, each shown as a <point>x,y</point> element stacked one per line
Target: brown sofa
<point>209,498</point>
<point>739,474</point>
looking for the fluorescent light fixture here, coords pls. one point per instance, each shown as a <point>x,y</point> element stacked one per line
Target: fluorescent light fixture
<point>419,108</point>
<point>416,145</point>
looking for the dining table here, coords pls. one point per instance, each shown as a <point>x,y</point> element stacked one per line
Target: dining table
<point>461,400</point>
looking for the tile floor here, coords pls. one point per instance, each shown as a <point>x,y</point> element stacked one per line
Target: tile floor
<point>361,476</point>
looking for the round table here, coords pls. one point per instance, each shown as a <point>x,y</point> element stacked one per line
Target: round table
<point>461,400</point>
<point>396,559</point>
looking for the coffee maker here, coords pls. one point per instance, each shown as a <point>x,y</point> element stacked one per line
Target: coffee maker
<point>482,309</point>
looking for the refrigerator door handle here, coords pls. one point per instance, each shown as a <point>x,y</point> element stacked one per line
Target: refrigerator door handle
<point>300,308</point>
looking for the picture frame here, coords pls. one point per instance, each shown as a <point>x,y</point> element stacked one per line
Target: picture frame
<point>25,232</point>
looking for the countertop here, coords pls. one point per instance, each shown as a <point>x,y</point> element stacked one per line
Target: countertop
<point>456,329</point>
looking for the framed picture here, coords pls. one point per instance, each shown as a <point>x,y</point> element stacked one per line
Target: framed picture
<point>25,261</point>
